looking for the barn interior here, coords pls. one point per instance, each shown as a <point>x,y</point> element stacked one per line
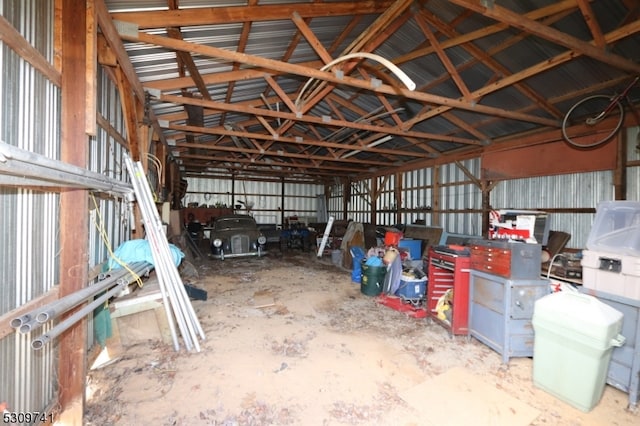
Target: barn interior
<point>329,207</point>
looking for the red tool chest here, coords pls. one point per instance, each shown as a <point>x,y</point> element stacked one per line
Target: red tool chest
<point>513,260</point>
<point>449,269</point>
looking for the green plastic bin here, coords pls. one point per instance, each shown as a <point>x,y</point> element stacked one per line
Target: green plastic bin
<point>574,335</point>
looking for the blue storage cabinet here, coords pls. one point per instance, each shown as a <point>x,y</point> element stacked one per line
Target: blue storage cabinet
<point>500,312</point>
<point>624,367</point>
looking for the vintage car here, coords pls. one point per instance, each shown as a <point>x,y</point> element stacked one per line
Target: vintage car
<point>236,235</point>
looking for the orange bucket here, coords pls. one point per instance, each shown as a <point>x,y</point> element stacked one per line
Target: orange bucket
<point>392,238</point>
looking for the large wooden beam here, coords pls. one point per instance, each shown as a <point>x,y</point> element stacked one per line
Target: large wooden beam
<point>266,12</point>
<point>12,38</point>
<point>515,20</point>
<point>333,78</point>
<point>74,212</point>
<point>115,43</point>
<point>312,119</point>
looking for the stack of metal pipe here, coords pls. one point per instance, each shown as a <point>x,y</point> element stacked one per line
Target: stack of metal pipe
<point>112,284</point>
<point>175,298</point>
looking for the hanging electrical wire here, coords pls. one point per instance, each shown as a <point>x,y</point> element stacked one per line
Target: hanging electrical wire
<point>99,224</point>
<point>158,166</point>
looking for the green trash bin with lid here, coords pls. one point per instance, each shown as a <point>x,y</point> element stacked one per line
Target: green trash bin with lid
<point>574,335</point>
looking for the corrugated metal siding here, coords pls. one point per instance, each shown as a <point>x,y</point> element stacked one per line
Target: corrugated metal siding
<point>633,173</point>
<point>29,119</point>
<point>572,191</point>
<point>459,196</point>
<point>266,196</point>
<point>461,200</point>
<point>106,156</point>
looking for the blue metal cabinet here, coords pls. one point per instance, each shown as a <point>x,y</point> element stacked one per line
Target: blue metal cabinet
<point>500,312</point>
<point>624,367</point>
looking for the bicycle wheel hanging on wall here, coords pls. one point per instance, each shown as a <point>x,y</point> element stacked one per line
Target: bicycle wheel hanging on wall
<point>592,121</point>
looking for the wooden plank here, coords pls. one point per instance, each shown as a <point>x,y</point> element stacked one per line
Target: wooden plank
<point>506,16</point>
<point>327,76</point>
<point>133,306</point>
<point>538,14</point>
<point>12,38</point>
<point>128,102</point>
<point>91,71</point>
<point>547,160</point>
<point>307,119</point>
<point>115,43</point>
<point>592,22</point>
<point>226,15</point>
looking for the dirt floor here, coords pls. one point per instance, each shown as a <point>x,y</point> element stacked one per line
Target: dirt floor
<point>290,340</point>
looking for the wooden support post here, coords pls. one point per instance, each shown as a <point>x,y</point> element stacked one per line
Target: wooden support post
<point>327,197</point>
<point>620,172</point>
<point>74,212</point>
<point>486,207</point>
<point>282,199</point>
<point>435,201</point>
<point>346,197</point>
<point>398,197</point>
<point>375,194</point>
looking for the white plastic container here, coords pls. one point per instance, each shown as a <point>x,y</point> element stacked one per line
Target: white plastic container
<point>616,228</point>
<point>611,273</point>
<point>574,335</point>
<point>412,288</point>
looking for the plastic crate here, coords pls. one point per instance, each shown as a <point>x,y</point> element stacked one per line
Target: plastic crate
<point>616,228</point>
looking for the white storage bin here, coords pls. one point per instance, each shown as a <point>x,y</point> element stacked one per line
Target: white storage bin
<point>616,228</point>
<point>611,273</point>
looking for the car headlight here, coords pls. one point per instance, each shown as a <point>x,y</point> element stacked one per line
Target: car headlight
<point>217,242</point>
<point>262,239</point>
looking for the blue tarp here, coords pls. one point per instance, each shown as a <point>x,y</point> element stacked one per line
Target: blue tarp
<point>140,251</point>
<point>374,261</point>
<point>357,253</point>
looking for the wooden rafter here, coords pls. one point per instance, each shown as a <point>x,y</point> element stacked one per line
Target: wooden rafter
<point>330,77</point>
<point>344,109</point>
<point>508,17</point>
<point>254,13</point>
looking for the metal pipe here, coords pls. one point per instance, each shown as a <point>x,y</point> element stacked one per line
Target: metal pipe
<point>161,282</point>
<point>64,304</point>
<point>183,310</point>
<point>60,328</point>
<point>183,299</point>
<point>20,162</point>
<point>27,326</point>
<point>34,319</point>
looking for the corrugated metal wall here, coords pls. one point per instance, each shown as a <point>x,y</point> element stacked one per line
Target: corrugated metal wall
<point>110,221</point>
<point>29,244</point>
<point>572,191</point>
<point>299,199</point>
<point>633,154</point>
<point>29,114</point>
<point>461,200</point>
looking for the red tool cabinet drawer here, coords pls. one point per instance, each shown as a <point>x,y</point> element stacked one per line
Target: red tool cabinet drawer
<point>507,259</point>
<point>492,260</point>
